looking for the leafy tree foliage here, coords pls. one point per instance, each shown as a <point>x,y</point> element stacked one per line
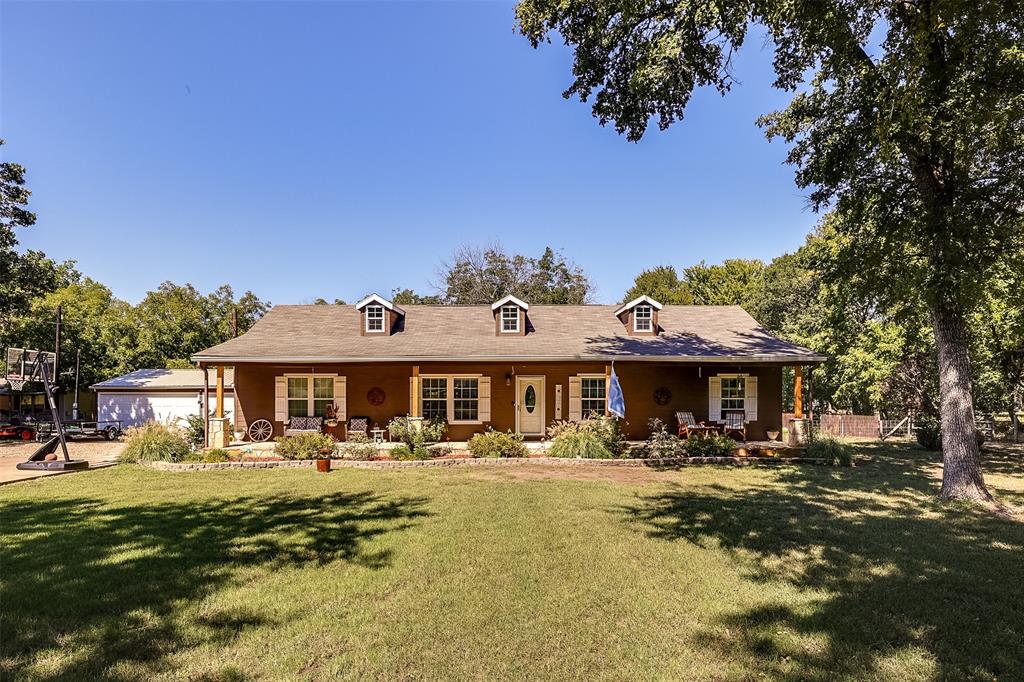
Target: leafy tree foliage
<point>661,283</point>
<point>410,297</point>
<point>907,120</point>
<point>483,275</point>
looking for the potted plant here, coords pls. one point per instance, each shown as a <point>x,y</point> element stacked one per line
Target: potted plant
<point>331,418</point>
<point>323,459</point>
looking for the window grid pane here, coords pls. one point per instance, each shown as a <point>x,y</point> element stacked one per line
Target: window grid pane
<point>298,387</point>
<point>510,319</point>
<point>375,318</point>
<point>466,399</point>
<point>733,393</point>
<point>592,396</point>
<point>642,318</point>
<point>434,395</point>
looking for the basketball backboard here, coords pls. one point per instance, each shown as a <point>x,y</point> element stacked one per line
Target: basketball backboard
<point>23,365</point>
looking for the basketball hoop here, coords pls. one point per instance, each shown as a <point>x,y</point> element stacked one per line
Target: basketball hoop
<point>16,384</point>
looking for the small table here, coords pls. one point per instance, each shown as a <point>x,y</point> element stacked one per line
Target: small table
<point>704,429</point>
<point>377,435</point>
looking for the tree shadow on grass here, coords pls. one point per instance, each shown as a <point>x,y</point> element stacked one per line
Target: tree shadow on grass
<point>891,574</point>
<point>106,584</point>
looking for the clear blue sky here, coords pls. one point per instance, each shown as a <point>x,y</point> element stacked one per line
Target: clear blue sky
<point>335,148</point>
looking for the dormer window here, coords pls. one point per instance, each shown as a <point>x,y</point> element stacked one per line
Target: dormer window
<point>510,316</point>
<point>640,316</point>
<point>643,318</point>
<point>374,318</point>
<point>510,319</point>
<point>379,316</point>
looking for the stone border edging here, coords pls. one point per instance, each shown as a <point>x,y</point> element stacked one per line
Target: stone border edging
<point>486,461</point>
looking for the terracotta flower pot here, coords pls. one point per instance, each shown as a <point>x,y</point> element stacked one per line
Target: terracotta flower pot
<point>323,465</point>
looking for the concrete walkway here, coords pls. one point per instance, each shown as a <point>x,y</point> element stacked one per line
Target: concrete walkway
<point>99,454</point>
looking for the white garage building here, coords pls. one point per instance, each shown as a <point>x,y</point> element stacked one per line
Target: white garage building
<point>162,395</point>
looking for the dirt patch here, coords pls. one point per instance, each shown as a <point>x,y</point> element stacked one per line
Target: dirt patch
<point>77,449</point>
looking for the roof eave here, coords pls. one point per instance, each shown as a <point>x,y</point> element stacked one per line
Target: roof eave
<point>767,358</point>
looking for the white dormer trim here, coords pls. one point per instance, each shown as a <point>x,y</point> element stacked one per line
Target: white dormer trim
<point>375,298</point>
<point>636,301</point>
<point>510,299</point>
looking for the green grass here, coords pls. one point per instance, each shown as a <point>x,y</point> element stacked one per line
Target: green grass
<point>806,573</point>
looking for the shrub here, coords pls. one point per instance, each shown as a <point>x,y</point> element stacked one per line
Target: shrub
<point>195,430</point>
<point>661,443</point>
<point>607,430</point>
<point>709,445</point>
<point>359,446</point>
<point>304,445</point>
<point>404,429</point>
<point>581,443</point>
<point>929,434</point>
<point>155,442</point>
<point>210,456</point>
<point>831,450</point>
<point>403,453</point>
<point>497,444</point>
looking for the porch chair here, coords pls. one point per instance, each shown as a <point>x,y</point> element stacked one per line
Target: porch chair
<point>686,423</point>
<point>735,422</point>
<point>297,425</point>
<point>358,425</point>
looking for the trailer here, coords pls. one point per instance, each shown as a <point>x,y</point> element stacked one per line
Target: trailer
<point>81,430</point>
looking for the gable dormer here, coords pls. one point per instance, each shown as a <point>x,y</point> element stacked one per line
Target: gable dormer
<point>510,316</point>
<point>640,316</point>
<point>378,316</point>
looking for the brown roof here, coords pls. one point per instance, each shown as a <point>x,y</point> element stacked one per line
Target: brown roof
<point>330,333</point>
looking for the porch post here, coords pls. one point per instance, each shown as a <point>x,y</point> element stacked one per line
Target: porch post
<point>607,388</point>
<point>798,391</point>
<point>206,406</point>
<point>415,391</point>
<point>810,397</point>
<point>220,391</point>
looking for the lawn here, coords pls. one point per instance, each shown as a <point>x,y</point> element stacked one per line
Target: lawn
<point>708,573</point>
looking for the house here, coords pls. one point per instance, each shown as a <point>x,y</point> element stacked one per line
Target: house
<point>162,395</point>
<point>510,365</point>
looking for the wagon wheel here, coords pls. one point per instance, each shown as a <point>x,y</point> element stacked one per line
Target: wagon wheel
<point>260,430</point>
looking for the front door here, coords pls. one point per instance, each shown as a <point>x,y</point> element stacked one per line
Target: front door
<point>530,402</point>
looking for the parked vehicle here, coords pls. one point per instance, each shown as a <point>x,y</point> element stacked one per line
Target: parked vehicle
<point>81,430</point>
<point>19,431</point>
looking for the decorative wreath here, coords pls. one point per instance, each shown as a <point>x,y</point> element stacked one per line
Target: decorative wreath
<point>662,396</point>
<point>375,396</point>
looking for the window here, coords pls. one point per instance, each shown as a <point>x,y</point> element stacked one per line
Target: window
<point>592,396</point>
<point>434,394</point>
<point>734,391</point>
<point>510,319</point>
<point>298,396</point>
<point>309,396</point>
<point>457,399</point>
<point>642,318</point>
<point>466,396</point>
<point>374,318</point>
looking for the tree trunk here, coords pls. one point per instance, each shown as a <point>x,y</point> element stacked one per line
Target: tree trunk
<point>1014,420</point>
<point>961,461</point>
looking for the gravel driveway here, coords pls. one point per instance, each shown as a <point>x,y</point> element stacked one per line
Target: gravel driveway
<point>98,453</point>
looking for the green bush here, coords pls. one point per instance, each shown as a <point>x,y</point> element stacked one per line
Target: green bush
<point>606,430</point>
<point>195,430</point>
<point>404,429</point>
<point>929,434</point>
<point>709,445</point>
<point>661,444</point>
<point>403,453</point>
<point>439,450</point>
<point>358,446</point>
<point>304,445</point>
<point>586,444</point>
<point>497,444</point>
<point>831,450</point>
<point>210,456</point>
<point>154,442</point>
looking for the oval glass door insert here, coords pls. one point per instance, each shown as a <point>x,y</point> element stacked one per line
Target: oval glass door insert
<point>530,399</point>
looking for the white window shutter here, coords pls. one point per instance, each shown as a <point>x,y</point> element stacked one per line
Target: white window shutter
<point>280,399</point>
<point>484,393</point>
<point>575,403</point>
<point>341,397</point>
<point>750,399</point>
<point>714,399</point>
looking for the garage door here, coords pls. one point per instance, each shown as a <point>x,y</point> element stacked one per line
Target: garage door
<point>133,409</point>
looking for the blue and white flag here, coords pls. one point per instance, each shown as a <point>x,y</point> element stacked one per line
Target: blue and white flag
<point>616,403</point>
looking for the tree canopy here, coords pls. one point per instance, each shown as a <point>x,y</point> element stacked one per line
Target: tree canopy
<point>477,275</point>
<point>906,121</point>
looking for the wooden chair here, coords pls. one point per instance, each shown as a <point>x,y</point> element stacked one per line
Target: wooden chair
<point>686,423</point>
<point>735,422</point>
